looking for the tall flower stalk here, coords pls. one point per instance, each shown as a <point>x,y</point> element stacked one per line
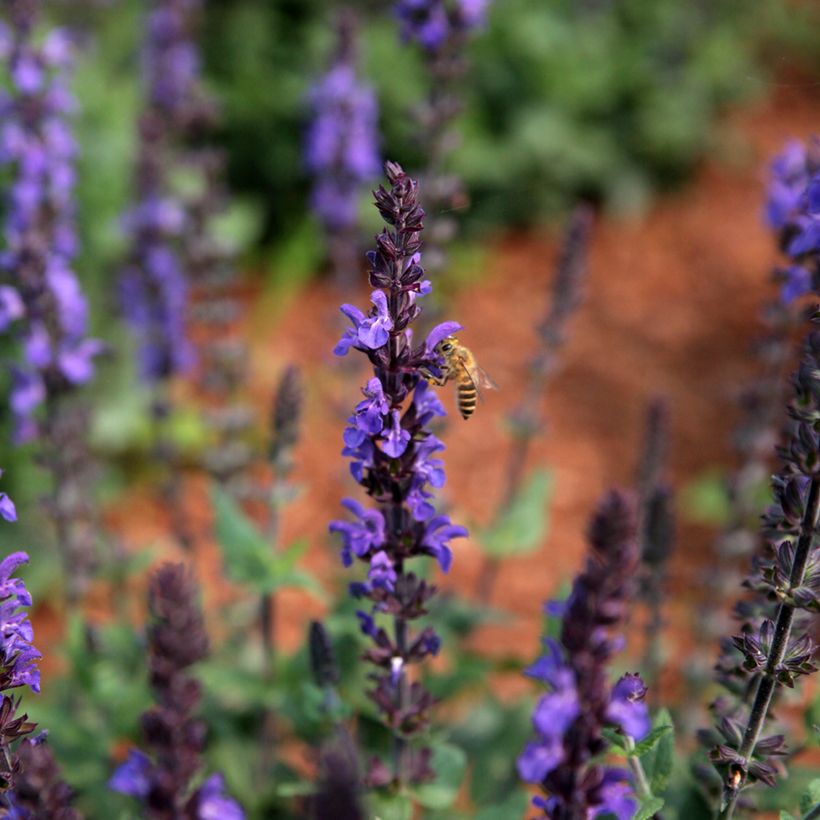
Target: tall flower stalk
<point>153,284</point>
<point>41,301</point>
<point>527,419</point>
<point>775,646</point>
<point>656,535</point>
<point>393,457</point>
<point>30,782</point>
<point>441,29</point>
<point>163,780</point>
<point>341,151</point>
<point>569,720</point>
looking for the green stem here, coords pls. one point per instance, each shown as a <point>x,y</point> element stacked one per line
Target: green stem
<point>642,788</point>
<point>738,773</point>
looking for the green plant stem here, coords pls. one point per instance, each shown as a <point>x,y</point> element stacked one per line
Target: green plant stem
<point>642,787</point>
<point>737,774</point>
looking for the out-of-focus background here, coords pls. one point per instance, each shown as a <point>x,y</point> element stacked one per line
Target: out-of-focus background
<point>662,114</point>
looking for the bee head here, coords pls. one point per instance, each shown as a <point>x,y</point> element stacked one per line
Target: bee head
<point>447,345</point>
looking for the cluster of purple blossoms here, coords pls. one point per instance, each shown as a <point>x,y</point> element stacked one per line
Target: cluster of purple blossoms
<point>162,782</point>
<point>793,210</point>
<point>434,23</point>
<point>16,635</point>
<point>569,719</point>
<point>41,301</point>
<point>394,457</point>
<point>153,285</point>
<point>341,150</point>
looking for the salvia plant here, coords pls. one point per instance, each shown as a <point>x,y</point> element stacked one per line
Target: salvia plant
<point>775,645</point>
<point>43,305</point>
<point>153,284</point>
<point>394,457</point>
<point>581,703</point>
<point>163,781</point>
<point>441,29</point>
<point>342,148</point>
<point>30,781</point>
<point>526,421</point>
<point>656,534</point>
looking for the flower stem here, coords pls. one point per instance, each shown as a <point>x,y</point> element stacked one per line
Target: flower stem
<point>737,774</point>
<point>642,788</point>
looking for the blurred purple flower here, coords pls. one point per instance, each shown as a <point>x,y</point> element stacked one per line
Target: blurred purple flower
<point>793,210</point>
<point>153,284</point>
<point>341,149</point>
<point>433,23</point>
<point>133,775</point>
<point>569,719</point>
<point>16,635</point>
<point>42,302</point>
<point>214,803</point>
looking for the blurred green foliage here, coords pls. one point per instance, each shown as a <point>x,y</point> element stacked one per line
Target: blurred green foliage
<point>610,99</point>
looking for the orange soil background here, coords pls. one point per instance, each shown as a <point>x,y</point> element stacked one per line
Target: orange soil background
<point>671,305</point>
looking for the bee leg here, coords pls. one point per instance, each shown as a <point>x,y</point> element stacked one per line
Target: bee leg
<point>428,374</point>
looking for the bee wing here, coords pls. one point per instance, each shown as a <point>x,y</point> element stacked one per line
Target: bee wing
<point>480,379</point>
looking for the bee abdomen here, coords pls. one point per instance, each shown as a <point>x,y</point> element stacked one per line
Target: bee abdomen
<point>467,399</point>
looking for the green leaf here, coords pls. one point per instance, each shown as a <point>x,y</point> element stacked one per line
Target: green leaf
<point>651,740</point>
<point>648,808</point>
<point>786,815</point>
<point>250,558</point>
<point>449,763</point>
<point>391,807</point>
<point>659,761</point>
<point>811,799</point>
<point>514,806</point>
<point>615,739</point>
<point>520,527</point>
<point>706,500</point>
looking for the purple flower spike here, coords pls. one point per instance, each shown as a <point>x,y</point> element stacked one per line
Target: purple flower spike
<point>41,302</point>
<point>793,210</point>
<point>161,781</point>
<point>341,150</point>
<point>394,457</point>
<point>569,719</point>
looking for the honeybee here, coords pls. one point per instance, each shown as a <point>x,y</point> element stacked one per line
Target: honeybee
<point>460,366</point>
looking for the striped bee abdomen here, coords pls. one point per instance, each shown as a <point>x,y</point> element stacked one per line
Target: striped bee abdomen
<point>467,398</point>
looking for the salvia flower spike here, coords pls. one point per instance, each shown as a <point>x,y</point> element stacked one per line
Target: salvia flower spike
<point>41,301</point>
<point>775,645</point>
<point>342,148</point>
<point>162,781</point>
<point>793,210</point>
<point>153,284</point>
<point>29,762</point>
<point>394,456</point>
<point>569,719</point>
<point>441,29</point>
